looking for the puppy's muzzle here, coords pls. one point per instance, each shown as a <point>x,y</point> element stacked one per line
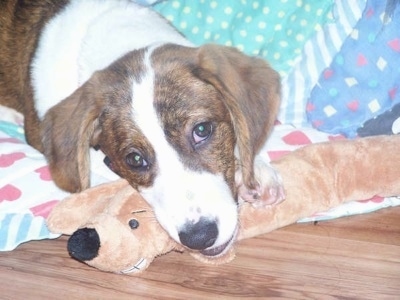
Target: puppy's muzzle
<point>199,235</point>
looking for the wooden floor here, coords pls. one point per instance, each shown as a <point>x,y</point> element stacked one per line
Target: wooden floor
<point>349,258</point>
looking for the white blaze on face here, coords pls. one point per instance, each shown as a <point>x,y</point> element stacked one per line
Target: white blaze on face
<point>178,194</point>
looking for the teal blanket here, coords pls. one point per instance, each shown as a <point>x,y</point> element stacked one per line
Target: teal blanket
<point>274,30</point>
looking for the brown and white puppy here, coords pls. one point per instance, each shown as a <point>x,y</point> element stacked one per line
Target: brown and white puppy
<point>180,123</point>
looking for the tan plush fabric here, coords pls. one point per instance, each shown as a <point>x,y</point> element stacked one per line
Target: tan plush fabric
<point>316,178</point>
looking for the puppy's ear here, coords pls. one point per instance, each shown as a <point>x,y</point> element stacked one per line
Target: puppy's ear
<point>251,92</point>
<point>67,131</point>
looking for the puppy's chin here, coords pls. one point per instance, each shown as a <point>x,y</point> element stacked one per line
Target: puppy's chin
<point>223,258</point>
<point>217,255</point>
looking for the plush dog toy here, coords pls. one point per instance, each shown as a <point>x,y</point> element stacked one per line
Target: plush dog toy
<point>113,228</point>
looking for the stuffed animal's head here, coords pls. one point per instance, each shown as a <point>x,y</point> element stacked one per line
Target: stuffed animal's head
<point>112,228</point>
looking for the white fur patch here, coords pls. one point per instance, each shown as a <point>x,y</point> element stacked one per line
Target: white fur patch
<point>179,194</point>
<point>99,172</point>
<point>87,36</point>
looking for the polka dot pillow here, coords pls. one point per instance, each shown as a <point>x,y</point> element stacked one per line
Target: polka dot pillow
<point>275,30</point>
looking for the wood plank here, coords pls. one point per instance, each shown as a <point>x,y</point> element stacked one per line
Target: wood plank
<point>349,258</point>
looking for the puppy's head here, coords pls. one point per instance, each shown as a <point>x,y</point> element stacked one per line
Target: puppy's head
<point>175,122</point>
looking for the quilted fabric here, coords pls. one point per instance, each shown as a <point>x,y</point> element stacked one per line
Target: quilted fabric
<point>364,78</point>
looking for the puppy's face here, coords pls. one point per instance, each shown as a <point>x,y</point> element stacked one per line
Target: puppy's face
<point>171,124</point>
<point>176,145</point>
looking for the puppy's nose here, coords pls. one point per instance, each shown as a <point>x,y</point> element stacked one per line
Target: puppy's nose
<point>200,235</point>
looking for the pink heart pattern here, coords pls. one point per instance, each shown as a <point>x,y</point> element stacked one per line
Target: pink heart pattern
<point>7,160</point>
<point>395,44</point>
<point>361,60</point>
<point>44,209</point>
<point>328,73</point>
<point>353,105</point>
<point>274,155</point>
<point>44,173</point>
<point>296,138</point>
<point>9,193</point>
<point>11,140</point>
<point>376,199</point>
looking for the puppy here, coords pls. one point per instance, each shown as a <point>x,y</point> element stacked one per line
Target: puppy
<point>182,124</point>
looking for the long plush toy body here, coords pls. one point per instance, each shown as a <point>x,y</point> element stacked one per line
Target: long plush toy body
<point>316,178</point>
<point>321,176</point>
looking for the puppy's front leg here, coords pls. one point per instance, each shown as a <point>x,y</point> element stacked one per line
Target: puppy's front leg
<point>269,188</point>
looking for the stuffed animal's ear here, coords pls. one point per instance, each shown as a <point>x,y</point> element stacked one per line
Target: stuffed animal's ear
<point>251,91</point>
<point>76,210</point>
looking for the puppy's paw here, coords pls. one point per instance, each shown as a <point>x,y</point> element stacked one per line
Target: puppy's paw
<point>269,188</point>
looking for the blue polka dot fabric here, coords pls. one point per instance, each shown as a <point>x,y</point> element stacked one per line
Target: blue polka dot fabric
<point>364,78</point>
<point>275,30</point>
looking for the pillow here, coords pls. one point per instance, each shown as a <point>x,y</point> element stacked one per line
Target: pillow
<point>275,30</point>
<point>316,55</point>
<point>363,80</point>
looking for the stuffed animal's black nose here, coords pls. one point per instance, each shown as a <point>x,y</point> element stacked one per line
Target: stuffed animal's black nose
<point>200,235</point>
<point>84,244</point>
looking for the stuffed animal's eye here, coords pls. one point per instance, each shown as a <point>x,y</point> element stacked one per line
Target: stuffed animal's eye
<point>133,223</point>
<point>202,132</point>
<point>135,160</point>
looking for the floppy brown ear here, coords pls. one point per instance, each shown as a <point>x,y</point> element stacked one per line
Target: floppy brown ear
<point>67,131</point>
<point>251,92</point>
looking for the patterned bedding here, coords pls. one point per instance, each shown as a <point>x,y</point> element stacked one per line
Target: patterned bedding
<point>308,35</point>
<point>363,79</point>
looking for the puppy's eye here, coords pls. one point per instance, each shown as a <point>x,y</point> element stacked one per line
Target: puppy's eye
<point>202,132</point>
<point>135,160</point>
<point>133,223</point>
